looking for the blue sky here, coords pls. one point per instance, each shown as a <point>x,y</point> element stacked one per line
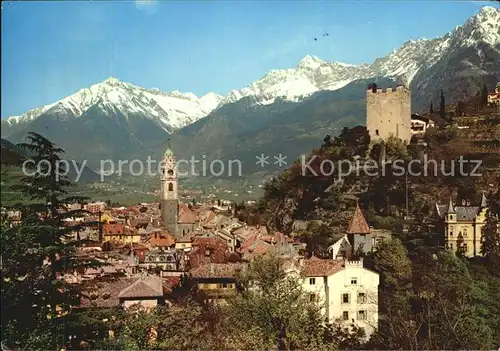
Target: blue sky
<point>52,49</point>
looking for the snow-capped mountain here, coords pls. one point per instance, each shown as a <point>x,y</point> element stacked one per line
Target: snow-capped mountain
<point>313,74</point>
<point>117,120</point>
<point>170,111</point>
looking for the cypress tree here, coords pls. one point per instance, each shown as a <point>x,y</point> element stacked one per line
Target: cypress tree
<point>442,106</point>
<point>484,96</point>
<point>431,109</point>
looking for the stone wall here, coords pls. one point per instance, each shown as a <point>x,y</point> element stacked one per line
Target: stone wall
<point>388,112</point>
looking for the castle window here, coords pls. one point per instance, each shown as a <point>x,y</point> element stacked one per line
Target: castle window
<point>170,187</point>
<point>313,297</point>
<point>376,132</point>
<point>361,315</point>
<point>354,281</point>
<point>345,315</point>
<point>345,298</point>
<point>465,231</point>
<point>361,298</point>
<point>312,281</point>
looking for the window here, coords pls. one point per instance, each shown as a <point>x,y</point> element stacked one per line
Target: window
<point>354,281</point>
<point>376,132</point>
<point>170,187</point>
<point>465,231</point>
<point>313,297</point>
<point>207,252</point>
<point>362,315</point>
<point>345,315</point>
<point>345,298</point>
<point>361,298</point>
<point>312,281</point>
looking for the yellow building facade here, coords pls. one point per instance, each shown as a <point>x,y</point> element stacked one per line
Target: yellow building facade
<point>463,226</point>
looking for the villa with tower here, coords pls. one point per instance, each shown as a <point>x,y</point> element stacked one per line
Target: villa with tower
<point>177,218</point>
<point>462,226</point>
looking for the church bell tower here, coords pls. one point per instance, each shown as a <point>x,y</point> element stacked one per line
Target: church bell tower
<point>168,195</point>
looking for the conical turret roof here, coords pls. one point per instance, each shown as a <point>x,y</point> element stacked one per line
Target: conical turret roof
<point>450,207</point>
<point>358,223</point>
<point>484,201</point>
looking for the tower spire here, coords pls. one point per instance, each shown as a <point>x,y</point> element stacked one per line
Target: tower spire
<point>450,207</point>
<point>484,201</point>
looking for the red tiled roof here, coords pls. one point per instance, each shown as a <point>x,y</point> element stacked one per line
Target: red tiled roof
<point>358,223</point>
<point>249,242</point>
<point>113,229</point>
<point>104,293</point>
<point>161,239</point>
<point>315,267</point>
<point>208,250</point>
<point>149,286</point>
<point>187,216</point>
<point>258,249</point>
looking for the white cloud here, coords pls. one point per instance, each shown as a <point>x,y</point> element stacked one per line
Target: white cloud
<point>148,6</point>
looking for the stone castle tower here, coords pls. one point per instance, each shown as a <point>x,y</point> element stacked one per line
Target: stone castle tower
<point>389,113</point>
<point>169,192</point>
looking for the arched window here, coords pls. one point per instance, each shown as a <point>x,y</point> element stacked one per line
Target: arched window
<point>376,132</point>
<point>170,187</point>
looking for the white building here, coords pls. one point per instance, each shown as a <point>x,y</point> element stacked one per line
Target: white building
<point>419,124</point>
<point>346,290</point>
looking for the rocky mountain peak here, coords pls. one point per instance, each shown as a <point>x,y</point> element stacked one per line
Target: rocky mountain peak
<point>310,62</point>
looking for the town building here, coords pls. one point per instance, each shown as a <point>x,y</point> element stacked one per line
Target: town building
<point>217,281</point>
<point>388,113</point>
<point>168,260</point>
<point>462,226</point>
<point>95,207</point>
<point>494,97</point>
<point>420,124</point>
<point>345,290</point>
<point>363,238</point>
<point>120,233</point>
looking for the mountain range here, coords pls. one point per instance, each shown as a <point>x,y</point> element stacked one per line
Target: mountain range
<point>287,110</point>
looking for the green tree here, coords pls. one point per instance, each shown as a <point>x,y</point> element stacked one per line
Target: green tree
<point>442,106</point>
<point>490,246</point>
<point>398,327</point>
<point>431,108</point>
<point>454,306</point>
<point>484,96</point>
<point>277,309</point>
<point>36,304</point>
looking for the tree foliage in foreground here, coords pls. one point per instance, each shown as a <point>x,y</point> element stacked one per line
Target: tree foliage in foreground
<point>36,304</point>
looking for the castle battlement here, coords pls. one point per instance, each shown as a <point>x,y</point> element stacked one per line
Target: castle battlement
<point>388,90</point>
<point>353,263</point>
<point>388,112</point>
